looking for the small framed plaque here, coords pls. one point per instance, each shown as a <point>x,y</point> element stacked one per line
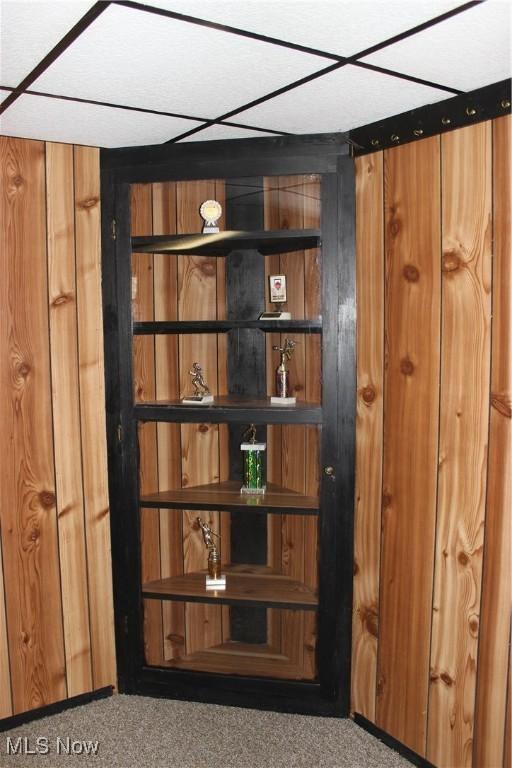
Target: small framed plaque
<point>277,289</point>
<point>277,296</point>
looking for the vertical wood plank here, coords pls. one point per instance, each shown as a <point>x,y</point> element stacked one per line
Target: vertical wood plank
<point>293,445</point>
<point>412,337</point>
<point>29,525</point>
<point>66,415</point>
<point>313,393</point>
<point>274,471</point>
<point>168,435</point>
<point>144,383</point>
<point>493,653</point>
<point>465,362</point>
<point>197,300</point>
<point>369,420</point>
<point>5,672</point>
<point>92,418</point>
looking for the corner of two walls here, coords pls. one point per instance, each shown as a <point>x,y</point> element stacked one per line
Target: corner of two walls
<point>433,488</point>
<point>56,613</point>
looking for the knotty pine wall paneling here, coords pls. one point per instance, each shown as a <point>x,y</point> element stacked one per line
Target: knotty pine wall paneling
<point>433,489</point>
<point>56,614</point>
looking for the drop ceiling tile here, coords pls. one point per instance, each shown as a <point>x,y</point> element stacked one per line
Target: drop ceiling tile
<point>215,132</point>
<point>131,57</point>
<point>29,30</point>
<point>345,99</point>
<point>343,27</point>
<point>467,51</point>
<point>36,117</point>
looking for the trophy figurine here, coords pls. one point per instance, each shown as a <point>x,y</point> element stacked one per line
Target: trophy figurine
<point>283,387</point>
<point>214,579</point>
<point>277,296</point>
<point>202,395</point>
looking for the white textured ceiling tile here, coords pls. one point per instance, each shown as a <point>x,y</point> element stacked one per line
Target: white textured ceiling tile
<point>215,132</point>
<point>345,99</point>
<point>343,27</point>
<point>135,58</point>
<point>36,117</point>
<point>467,51</point>
<point>29,29</point>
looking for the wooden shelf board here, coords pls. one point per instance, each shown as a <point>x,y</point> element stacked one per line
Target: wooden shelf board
<point>232,658</point>
<point>222,326</point>
<point>227,496</point>
<point>230,409</point>
<point>221,243</point>
<point>246,585</point>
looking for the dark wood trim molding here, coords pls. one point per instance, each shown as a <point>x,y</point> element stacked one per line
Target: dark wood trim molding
<point>15,721</point>
<point>391,742</point>
<point>485,103</point>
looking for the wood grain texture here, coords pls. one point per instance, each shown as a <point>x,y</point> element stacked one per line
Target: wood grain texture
<point>293,442</point>
<point>66,415</point>
<point>369,421</point>
<point>274,431</point>
<point>411,401</point>
<point>29,524</point>
<point>168,435</point>
<point>143,303</point>
<point>92,418</point>
<point>313,393</point>
<point>243,583</point>
<point>465,362</point>
<point>5,672</point>
<point>494,650</point>
<point>232,658</point>
<point>197,300</point>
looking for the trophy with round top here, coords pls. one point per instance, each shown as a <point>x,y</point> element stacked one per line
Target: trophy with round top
<point>210,211</point>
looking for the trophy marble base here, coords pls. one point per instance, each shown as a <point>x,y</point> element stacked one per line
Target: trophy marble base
<point>215,583</point>
<point>251,491</point>
<point>198,400</point>
<point>283,400</point>
<point>210,230</point>
<point>275,316</point>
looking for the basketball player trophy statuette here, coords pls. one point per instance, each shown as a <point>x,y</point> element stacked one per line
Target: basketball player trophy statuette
<point>202,395</point>
<point>214,578</point>
<point>277,296</point>
<point>210,211</point>
<point>283,386</point>
<point>254,463</point>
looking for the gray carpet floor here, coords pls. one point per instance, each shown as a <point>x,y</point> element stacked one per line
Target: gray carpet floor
<point>138,732</point>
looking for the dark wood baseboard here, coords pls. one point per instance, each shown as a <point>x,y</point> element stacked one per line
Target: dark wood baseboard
<point>391,742</point>
<point>7,723</point>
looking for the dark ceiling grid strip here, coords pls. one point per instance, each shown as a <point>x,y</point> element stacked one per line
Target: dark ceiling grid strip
<point>277,41</point>
<point>69,38</point>
<point>338,65</point>
<point>485,103</point>
<point>144,110</point>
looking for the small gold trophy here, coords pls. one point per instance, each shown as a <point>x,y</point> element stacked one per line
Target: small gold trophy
<point>210,211</point>
<point>214,579</point>
<point>202,394</point>
<point>277,296</point>
<point>283,385</point>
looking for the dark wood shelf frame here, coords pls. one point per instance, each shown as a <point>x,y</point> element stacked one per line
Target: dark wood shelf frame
<point>226,496</point>
<point>222,326</point>
<point>329,156</point>
<point>229,409</point>
<point>245,586</point>
<point>266,242</point>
